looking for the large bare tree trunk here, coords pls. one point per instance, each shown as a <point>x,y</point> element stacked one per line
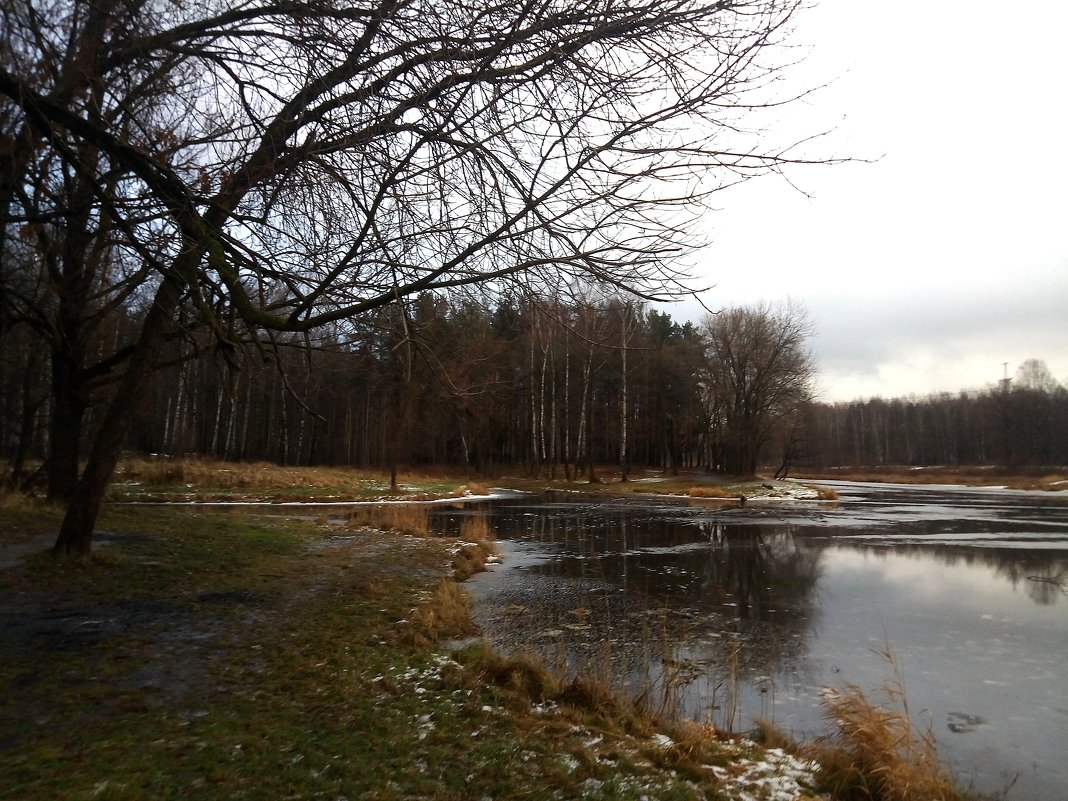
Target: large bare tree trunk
<point>624,467</point>
<point>76,531</point>
<point>65,427</point>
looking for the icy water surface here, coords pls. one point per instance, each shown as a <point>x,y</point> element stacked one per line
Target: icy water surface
<point>753,612</point>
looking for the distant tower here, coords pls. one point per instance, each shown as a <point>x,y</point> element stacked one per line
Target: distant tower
<point>1005,377</point>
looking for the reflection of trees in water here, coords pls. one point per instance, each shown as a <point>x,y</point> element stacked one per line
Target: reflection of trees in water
<point>1042,574</point>
<point>648,588</point>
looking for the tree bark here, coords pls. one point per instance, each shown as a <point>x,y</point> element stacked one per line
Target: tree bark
<point>76,531</point>
<point>65,426</point>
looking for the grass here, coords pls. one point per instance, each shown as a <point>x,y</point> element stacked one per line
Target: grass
<point>405,518</point>
<point>1023,478</point>
<point>877,752</point>
<point>712,492</point>
<point>826,493</point>
<point>166,479</point>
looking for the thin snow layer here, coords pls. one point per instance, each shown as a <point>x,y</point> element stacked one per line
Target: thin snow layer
<point>777,776</point>
<point>754,774</point>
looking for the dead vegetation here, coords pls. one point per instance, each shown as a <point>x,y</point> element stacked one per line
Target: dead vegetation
<point>1020,478</point>
<point>878,753</point>
<point>713,491</point>
<point>200,478</point>
<point>445,614</point>
<point>404,518</point>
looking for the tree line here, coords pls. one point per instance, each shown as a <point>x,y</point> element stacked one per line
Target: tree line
<point>1018,422</point>
<point>556,388</point>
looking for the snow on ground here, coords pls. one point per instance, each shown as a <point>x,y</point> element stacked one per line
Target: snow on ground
<point>753,774</point>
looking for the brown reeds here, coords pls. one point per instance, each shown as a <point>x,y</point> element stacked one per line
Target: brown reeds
<point>476,548</point>
<point>522,676</point>
<point>878,753</point>
<point>203,472</point>
<point>445,614</point>
<point>404,518</point>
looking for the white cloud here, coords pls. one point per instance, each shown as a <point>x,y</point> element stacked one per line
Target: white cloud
<point>925,270</point>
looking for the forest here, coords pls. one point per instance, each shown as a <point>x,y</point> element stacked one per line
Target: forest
<point>551,388</point>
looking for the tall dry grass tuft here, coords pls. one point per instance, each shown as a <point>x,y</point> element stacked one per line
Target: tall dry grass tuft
<point>446,614</point>
<point>877,753</point>
<point>405,518</point>
<point>154,473</point>
<point>826,493</point>
<point>13,499</point>
<point>523,676</point>
<point>477,546</point>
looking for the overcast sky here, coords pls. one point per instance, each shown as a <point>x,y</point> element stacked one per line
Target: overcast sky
<point>928,269</point>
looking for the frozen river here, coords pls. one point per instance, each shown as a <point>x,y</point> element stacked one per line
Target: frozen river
<point>752,612</point>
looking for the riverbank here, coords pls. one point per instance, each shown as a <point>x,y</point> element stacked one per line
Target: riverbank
<point>1046,479</point>
<point>222,654</point>
<point>210,481</point>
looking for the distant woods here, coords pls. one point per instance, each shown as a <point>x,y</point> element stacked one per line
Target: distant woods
<point>1019,422</point>
<point>552,388</point>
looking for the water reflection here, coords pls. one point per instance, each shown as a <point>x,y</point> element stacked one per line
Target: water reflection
<point>750,612</point>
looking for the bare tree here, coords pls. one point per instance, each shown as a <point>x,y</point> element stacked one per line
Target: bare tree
<point>758,373</point>
<point>288,165</point>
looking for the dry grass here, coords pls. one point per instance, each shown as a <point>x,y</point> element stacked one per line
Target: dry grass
<point>13,499</point>
<point>522,678</point>
<point>825,493</point>
<point>712,492</point>
<point>1022,478</point>
<point>477,546</point>
<point>405,518</point>
<point>234,475</point>
<point>446,614</point>
<point>471,558</point>
<point>878,753</point>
